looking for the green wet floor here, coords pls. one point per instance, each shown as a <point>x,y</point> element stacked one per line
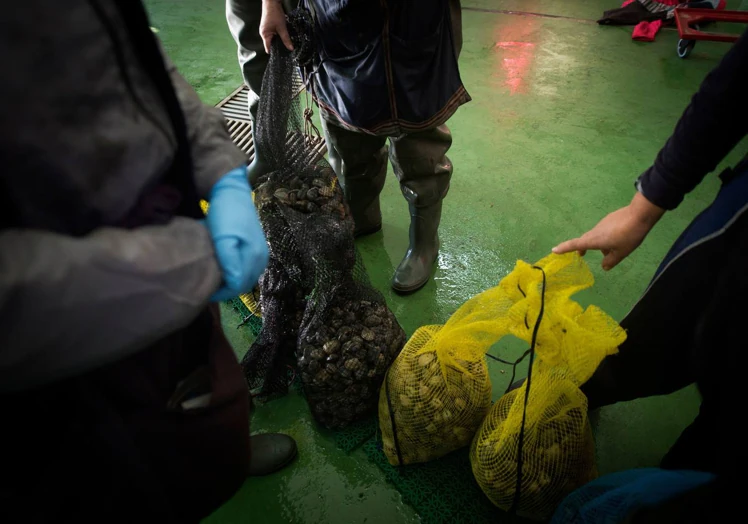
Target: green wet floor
<point>565,115</point>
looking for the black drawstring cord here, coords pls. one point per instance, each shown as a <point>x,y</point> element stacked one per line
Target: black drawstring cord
<point>520,444</point>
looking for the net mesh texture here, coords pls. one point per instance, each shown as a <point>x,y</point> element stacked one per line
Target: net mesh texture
<point>536,445</point>
<point>318,308</point>
<point>437,394</point>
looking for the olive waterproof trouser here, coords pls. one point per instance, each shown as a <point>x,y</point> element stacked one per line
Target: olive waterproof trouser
<point>419,161</point>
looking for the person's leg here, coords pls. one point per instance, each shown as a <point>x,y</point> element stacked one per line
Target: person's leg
<point>360,161</point>
<point>243,17</point>
<point>696,447</point>
<point>421,165</point>
<point>654,359</point>
<point>711,442</point>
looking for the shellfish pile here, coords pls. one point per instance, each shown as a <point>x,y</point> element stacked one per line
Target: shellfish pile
<point>429,408</point>
<point>348,337</point>
<point>343,362</point>
<point>315,192</point>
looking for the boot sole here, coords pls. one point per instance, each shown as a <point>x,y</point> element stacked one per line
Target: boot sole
<point>403,291</point>
<point>409,290</point>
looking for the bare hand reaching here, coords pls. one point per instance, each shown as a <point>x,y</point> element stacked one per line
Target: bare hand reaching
<point>273,23</point>
<point>618,234</point>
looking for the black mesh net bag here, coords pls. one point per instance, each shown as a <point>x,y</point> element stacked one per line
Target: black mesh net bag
<point>348,337</point>
<point>318,306</point>
<point>267,361</point>
<point>292,169</point>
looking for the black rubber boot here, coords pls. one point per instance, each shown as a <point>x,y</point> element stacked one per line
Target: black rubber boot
<point>257,171</point>
<point>415,269</point>
<point>270,452</point>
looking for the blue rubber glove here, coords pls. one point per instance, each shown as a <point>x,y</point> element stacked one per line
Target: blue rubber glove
<point>239,242</point>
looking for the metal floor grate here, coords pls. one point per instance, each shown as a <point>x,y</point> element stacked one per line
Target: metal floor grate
<point>234,108</point>
<point>241,134</point>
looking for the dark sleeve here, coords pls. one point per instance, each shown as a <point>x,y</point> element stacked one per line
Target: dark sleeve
<point>713,124</point>
<point>72,304</point>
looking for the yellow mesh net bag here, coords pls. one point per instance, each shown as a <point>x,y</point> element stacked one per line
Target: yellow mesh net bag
<point>534,449</point>
<point>437,392</point>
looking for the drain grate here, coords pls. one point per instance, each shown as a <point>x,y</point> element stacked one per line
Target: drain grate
<point>234,108</point>
<point>241,134</point>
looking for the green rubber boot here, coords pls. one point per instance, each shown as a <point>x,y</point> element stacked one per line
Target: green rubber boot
<point>415,269</point>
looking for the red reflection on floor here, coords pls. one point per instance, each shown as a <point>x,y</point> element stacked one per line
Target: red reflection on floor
<point>516,53</point>
<point>507,45</point>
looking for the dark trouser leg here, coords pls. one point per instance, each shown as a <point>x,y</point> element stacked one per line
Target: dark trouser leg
<point>421,165</point>
<point>712,442</point>
<point>654,359</point>
<point>689,327</point>
<point>243,17</point>
<point>360,161</point>
<point>696,447</point>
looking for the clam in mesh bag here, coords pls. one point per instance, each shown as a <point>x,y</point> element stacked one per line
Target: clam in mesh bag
<point>347,341</point>
<point>535,446</point>
<point>348,337</point>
